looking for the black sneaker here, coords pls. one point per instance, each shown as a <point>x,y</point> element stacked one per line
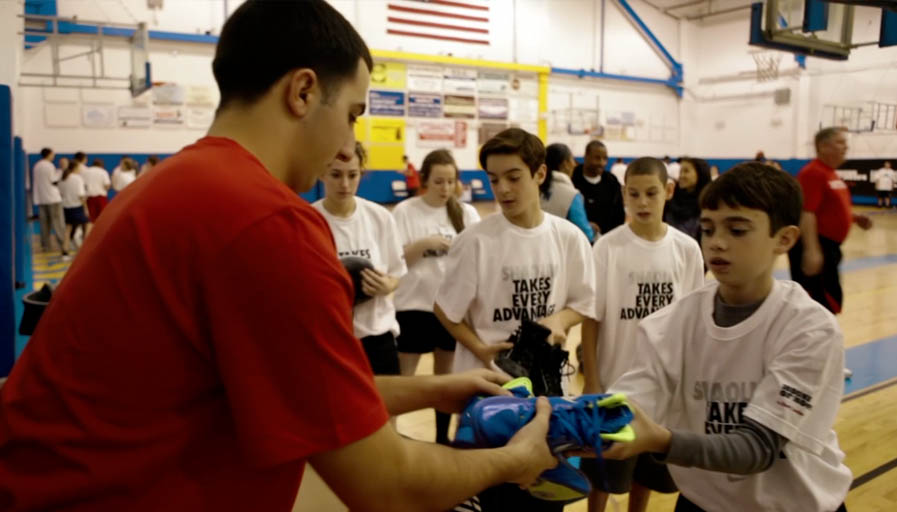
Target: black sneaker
<point>533,357</point>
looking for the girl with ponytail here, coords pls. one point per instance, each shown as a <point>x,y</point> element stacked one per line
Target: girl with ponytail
<point>427,225</point>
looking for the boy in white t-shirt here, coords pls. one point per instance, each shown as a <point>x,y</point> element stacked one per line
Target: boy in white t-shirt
<point>520,265</point>
<point>743,377</point>
<point>885,179</point>
<point>640,267</point>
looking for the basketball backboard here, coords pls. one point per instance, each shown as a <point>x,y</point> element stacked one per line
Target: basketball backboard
<point>817,28</point>
<point>141,78</point>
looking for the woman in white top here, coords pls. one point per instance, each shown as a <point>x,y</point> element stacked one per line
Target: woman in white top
<point>364,229</point>
<point>74,193</point>
<point>427,225</point>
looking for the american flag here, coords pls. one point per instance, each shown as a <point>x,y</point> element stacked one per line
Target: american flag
<point>462,21</point>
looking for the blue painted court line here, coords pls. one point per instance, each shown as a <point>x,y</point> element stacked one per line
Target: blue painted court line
<point>871,363</point>
<point>851,265</point>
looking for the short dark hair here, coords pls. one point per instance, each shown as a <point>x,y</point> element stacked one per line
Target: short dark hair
<point>153,160</point>
<point>645,166</point>
<point>592,145</point>
<point>44,153</point>
<point>757,186</point>
<point>827,133</point>
<point>80,157</point>
<point>98,162</point>
<point>515,141</point>
<point>263,40</point>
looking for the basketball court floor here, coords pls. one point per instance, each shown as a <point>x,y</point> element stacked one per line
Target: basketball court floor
<point>867,421</point>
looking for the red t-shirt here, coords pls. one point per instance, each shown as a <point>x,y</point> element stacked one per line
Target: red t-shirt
<point>827,196</point>
<point>412,180</point>
<point>197,352</point>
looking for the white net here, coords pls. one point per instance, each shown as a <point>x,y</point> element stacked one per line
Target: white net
<point>767,65</point>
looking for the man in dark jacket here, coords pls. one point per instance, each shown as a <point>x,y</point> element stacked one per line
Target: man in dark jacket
<point>601,190</point>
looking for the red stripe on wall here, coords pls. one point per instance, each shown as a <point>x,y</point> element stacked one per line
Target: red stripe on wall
<point>434,36</point>
<point>394,7</point>
<point>459,4</point>
<point>436,25</point>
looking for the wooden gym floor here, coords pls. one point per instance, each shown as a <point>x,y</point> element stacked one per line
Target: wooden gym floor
<point>867,421</point>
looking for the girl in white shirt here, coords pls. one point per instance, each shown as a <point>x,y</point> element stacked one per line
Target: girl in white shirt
<point>73,192</point>
<point>366,230</point>
<point>427,225</point>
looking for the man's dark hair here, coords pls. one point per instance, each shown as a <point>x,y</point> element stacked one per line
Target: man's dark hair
<point>593,145</point>
<point>515,141</point>
<point>644,166</point>
<point>98,162</point>
<point>825,134</point>
<point>80,157</point>
<point>759,187</point>
<point>44,153</point>
<point>263,40</point>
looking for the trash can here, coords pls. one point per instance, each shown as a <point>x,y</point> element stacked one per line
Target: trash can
<point>35,304</point>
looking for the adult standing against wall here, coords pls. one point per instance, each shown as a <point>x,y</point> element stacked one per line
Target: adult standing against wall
<point>600,189</point>
<point>825,221</point>
<point>49,202</point>
<point>412,178</point>
<point>885,179</point>
<point>216,271</point>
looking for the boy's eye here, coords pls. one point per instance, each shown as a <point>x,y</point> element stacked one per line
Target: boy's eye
<point>707,231</point>
<point>737,231</point>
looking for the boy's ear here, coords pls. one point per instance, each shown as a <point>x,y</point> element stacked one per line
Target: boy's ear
<point>541,174</point>
<point>671,188</point>
<point>786,238</point>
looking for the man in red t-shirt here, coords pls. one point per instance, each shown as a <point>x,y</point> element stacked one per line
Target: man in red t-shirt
<point>412,178</point>
<point>825,221</point>
<point>200,348</point>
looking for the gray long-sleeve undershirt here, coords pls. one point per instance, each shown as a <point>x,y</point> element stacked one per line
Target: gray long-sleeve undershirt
<point>750,448</point>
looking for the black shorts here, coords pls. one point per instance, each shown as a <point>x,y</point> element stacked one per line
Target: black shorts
<point>76,215</point>
<point>382,354</point>
<point>421,332</point>
<point>616,476</point>
<point>883,194</point>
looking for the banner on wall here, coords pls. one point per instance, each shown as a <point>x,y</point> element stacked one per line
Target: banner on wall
<point>169,94</point>
<point>134,117</point>
<point>168,116</point>
<point>425,79</point>
<point>387,131</point>
<point>442,134</point>
<point>460,81</point>
<point>424,105</point>
<point>201,95</point>
<point>460,107</point>
<point>200,117</point>
<point>489,130</point>
<point>98,116</point>
<point>491,82</point>
<point>492,108</point>
<point>387,103</point>
<point>62,115</point>
<point>388,75</point>
<point>523,110</point>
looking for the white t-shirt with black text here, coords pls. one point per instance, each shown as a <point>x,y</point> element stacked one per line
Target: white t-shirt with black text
<point>498,274</point>
<point>781,367</point>
<point>370,232</point>
<point>72,191</point>
<point>634,278</point>
<point>415,220</point>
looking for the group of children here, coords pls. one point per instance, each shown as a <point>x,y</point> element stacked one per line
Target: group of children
<point>743,374</point>
<point>71,197</point>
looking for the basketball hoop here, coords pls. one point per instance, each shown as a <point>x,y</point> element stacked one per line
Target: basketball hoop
<point>767,65</point>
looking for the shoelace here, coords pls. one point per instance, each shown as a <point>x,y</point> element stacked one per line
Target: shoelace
<point>583,423</point>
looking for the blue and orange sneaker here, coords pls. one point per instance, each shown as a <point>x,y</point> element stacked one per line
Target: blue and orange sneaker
<point>588,422</point>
